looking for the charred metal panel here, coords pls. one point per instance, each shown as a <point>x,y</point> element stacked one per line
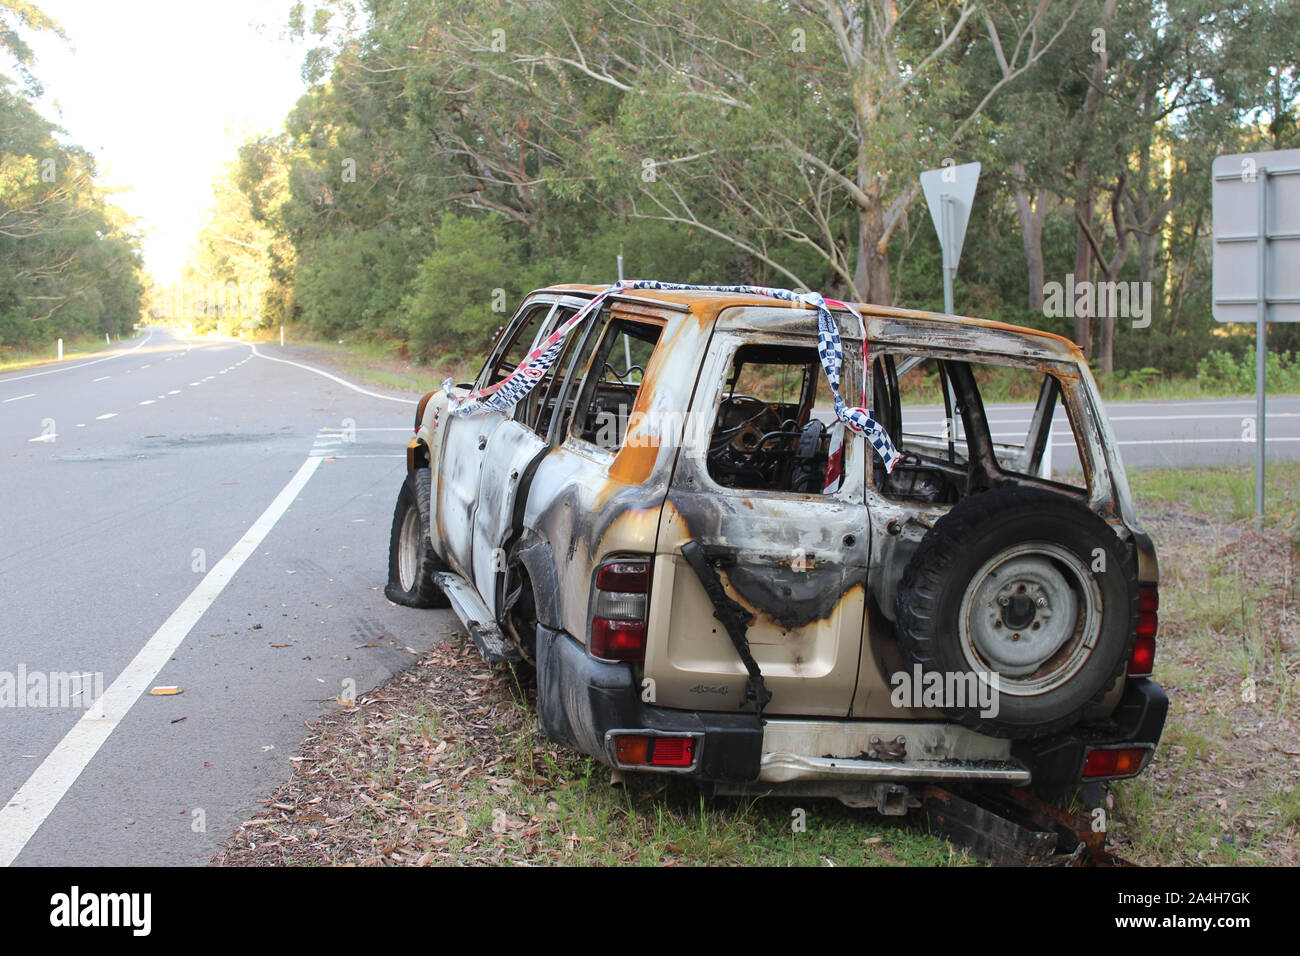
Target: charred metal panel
<point>797,561</point>
<point>974,337</point>
<point>464,443</point>
<point>591,503</point>
<point>509,450</point>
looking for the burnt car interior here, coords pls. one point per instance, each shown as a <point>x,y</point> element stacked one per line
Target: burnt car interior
<point>614,378</point>
<point>764,436</point>
<point>935,415</point>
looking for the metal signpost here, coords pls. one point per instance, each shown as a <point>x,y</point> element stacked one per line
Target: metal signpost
<point>1256,209</point>
<point>949,191</point>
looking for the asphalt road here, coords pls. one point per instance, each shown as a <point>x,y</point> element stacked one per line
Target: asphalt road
<point>1158,434</point>
<point>126,484</point>
<point>189,513</point>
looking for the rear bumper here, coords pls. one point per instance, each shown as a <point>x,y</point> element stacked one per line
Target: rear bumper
<point>584,703</point>
<point>1137,722</point>
<point>580,701</point>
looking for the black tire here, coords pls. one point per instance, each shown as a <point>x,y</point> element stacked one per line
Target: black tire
<point>411,559</point>
<point>1014,581</point>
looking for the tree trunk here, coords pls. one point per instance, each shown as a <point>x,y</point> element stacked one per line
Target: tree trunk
<point>871,271</point>
<point>1106,344</point>
<point>1031,210</point>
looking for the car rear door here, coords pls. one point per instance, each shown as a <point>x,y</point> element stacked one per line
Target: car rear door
<point>797,560</point>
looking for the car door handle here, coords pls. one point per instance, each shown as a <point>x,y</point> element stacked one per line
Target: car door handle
<point>482,442</point>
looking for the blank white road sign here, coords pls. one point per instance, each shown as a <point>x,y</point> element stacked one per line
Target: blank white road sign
<point>1239,183</point>
<point>957,183</point>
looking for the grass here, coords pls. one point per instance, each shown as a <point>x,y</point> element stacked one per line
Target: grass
<point>384,363</point>
<point>376,362</point>
<point>1222,788</point>
<point>471,780</point>
<point>1115,388</point>
<point>82,346</point>
<point>1221,494</point>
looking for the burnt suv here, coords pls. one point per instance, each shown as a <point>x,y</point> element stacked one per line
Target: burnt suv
<point>713,577</point>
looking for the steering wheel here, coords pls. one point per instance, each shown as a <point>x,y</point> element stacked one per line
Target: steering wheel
<point>754,411</point>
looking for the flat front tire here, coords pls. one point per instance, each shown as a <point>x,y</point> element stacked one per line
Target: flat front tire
<point>411,558</point>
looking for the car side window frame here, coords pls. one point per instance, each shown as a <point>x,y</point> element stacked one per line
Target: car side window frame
<point>586,386</point>
<point>512,330</point>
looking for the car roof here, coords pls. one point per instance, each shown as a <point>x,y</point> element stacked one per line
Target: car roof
<point>708,305</point>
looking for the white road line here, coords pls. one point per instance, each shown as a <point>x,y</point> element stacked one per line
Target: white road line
<point>403,457</point>
<point>343,431</point>
<point>23,815</point>
<point>1161,418</point>
<point>68,368</point>
<point>1201,441</point>
<point>102,378</point>
<point>174,391</point>
<point>147,401</point>
<point>100,418</point>
<point>43,438</point>
<point>18,398</point>
<point>355,388</point>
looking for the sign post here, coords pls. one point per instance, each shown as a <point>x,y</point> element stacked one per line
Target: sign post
<point>949,192</point>
<point>1256,209</point>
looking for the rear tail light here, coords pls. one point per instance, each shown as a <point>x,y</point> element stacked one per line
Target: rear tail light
<point>619,606</point>
<point>1119,762</point>
<point>1143,659</point>
<point>644,750</point>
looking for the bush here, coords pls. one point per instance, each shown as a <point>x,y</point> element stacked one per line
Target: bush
<point>1219,371</point>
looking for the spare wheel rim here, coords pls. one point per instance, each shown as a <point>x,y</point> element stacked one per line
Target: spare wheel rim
<point>1032,615</point>
<point>408,552</point>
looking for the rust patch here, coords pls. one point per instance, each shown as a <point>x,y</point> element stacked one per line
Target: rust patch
<point>635,463</point>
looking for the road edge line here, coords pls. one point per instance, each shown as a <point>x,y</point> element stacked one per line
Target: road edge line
<point>355,388</point>
<point>26,811</point>
<point>73,368</point>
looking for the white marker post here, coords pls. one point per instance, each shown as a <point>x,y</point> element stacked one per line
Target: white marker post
<point>282,336</point>
<point>60,350</point>
<point>627,347</point>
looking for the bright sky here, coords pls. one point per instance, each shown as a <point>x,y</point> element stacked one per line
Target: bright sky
<point>162,92</point>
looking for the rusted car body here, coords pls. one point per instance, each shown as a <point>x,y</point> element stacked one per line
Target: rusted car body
<point>558,530</point>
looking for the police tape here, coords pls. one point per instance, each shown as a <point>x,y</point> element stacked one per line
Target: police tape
<point>503,395</point>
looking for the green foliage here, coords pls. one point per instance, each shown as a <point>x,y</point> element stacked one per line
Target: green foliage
<point>69,262</point>
<point>449,307</point>
<point>445,151</point>
<point>1222,372</point>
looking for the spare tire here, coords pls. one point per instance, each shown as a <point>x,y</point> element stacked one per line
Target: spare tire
<point>1027,585</point>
